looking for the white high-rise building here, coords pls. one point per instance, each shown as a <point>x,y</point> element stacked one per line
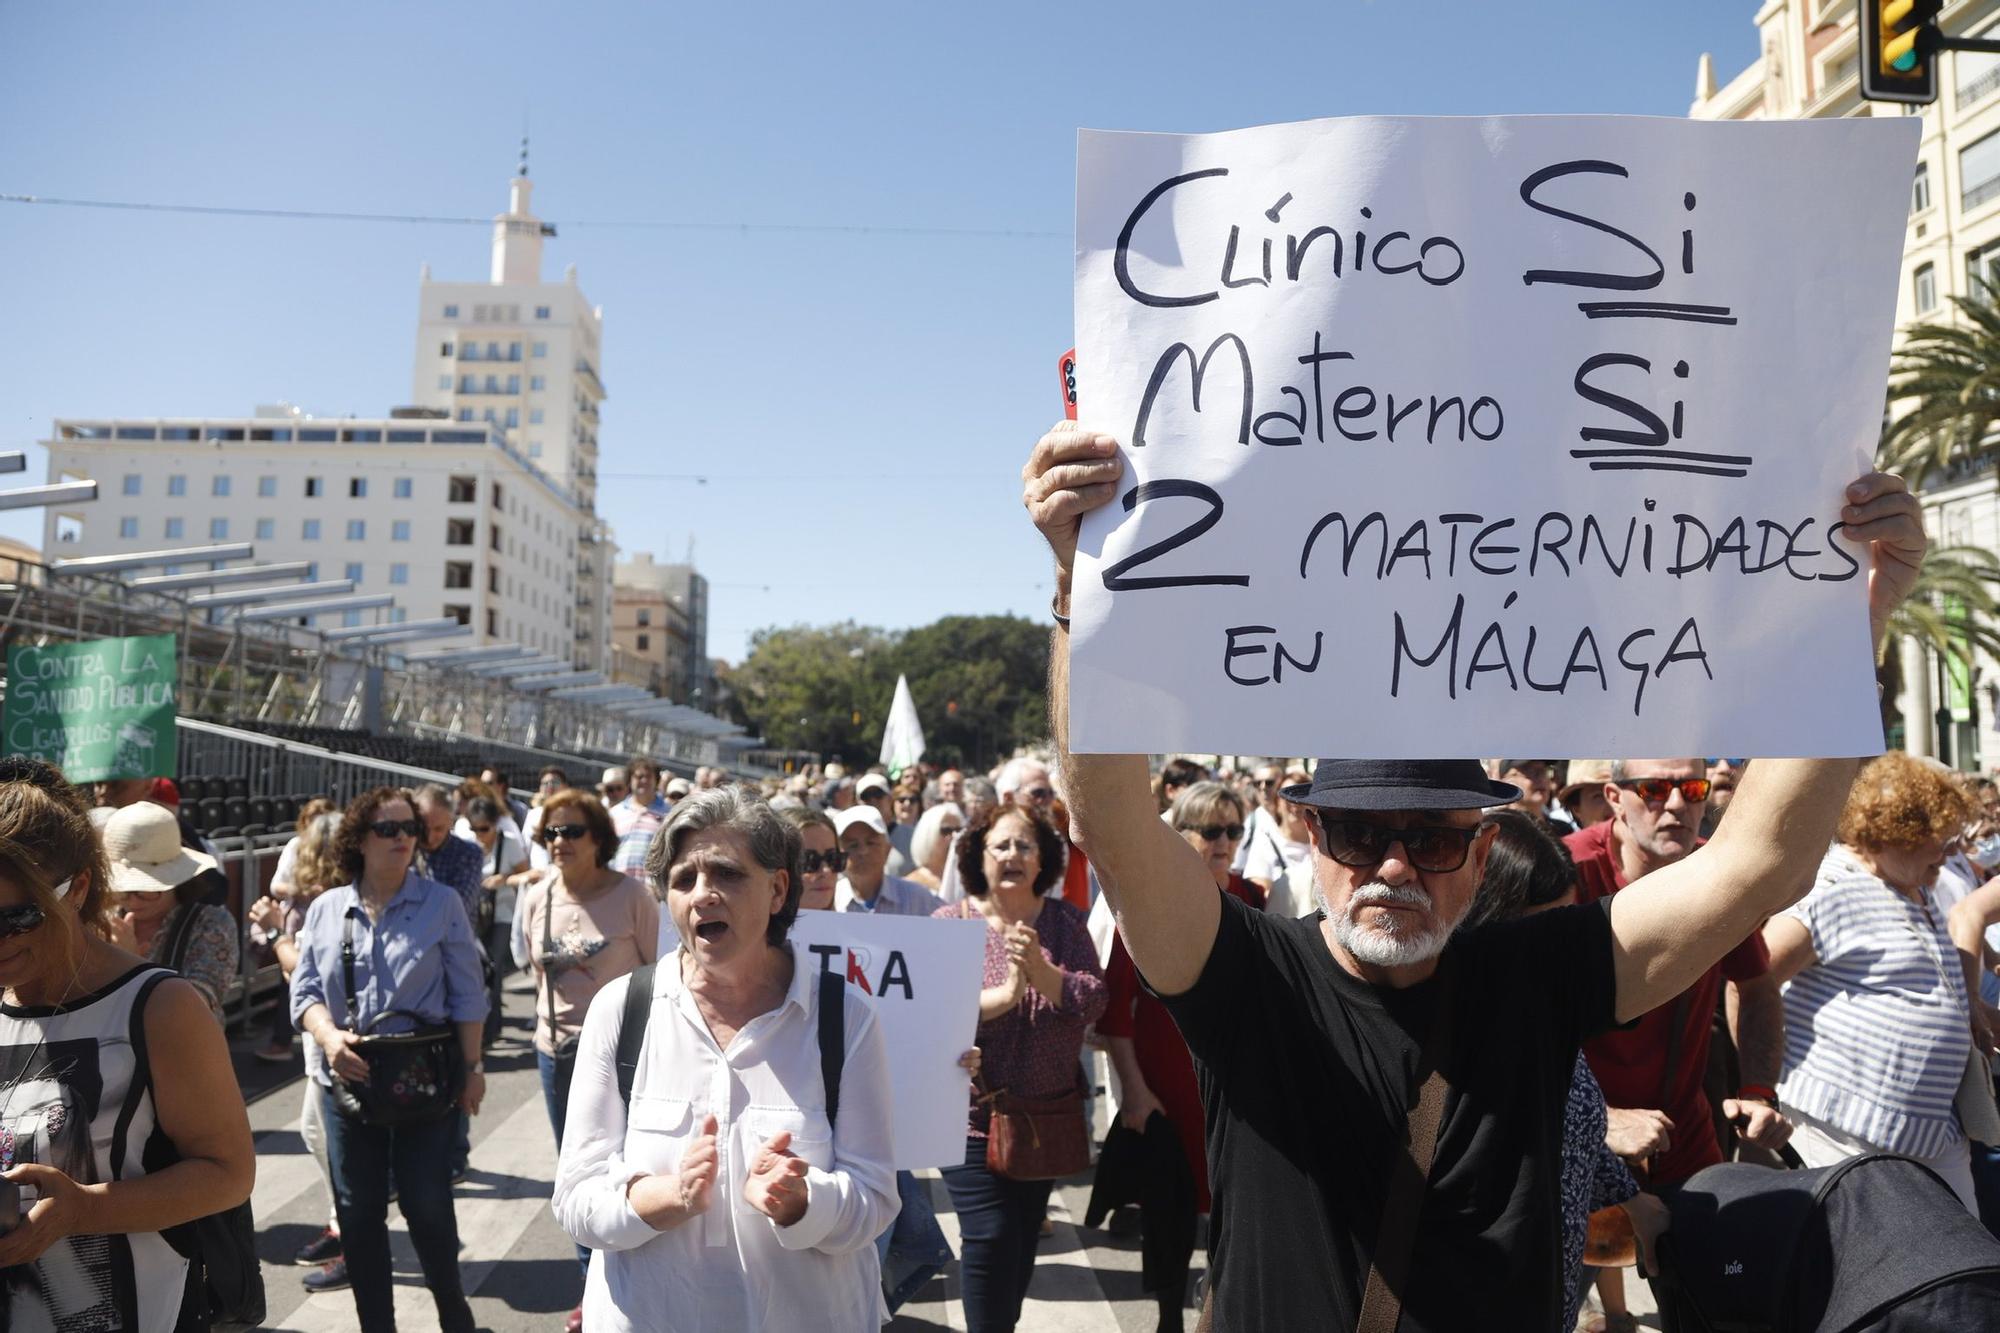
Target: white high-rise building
<point>521,355</point>
<point>446,517</point>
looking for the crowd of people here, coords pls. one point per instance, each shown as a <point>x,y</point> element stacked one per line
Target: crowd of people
<point>1560,989</point>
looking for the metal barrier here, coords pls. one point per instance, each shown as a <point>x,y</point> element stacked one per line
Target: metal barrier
<point>290,767</point>
<point>248,863</point>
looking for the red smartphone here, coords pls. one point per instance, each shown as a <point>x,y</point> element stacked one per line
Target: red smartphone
<point>1066,368</point>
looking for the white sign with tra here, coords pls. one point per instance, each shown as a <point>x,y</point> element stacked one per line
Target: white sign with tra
<point>1453,437</point>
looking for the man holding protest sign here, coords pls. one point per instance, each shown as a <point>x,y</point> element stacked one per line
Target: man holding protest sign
<point>1321,1217</point>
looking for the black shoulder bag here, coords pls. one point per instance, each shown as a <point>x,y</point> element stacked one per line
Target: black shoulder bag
<point>412,1076</point>
<point>832,1034</point>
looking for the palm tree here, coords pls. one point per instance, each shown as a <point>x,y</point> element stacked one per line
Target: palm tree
<point>1950,376</point>
<point>1953,608</point>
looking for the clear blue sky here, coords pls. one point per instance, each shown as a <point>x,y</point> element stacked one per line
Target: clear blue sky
<point>860,403</point>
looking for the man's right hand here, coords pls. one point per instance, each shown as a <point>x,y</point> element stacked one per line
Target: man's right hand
<point>1071,472</point>
<point>1637,1133</point>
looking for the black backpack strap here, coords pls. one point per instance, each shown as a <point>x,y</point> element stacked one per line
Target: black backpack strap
<point>632,1028</point>
<point>142,1073</point>
<point>347,962</point>
<point>183,937</point>
<point>832,1039</point>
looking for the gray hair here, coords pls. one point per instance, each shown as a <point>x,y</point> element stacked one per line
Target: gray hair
<point>772,839</point>
<point>1201,800</point>
<point>983,789</point>
<point>432,793</point>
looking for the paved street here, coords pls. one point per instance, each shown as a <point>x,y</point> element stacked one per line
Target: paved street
<point>521,1270</point>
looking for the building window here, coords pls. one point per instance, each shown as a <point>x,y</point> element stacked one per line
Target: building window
<point>312,570</point>
<point>131,483</point>
<point>398,614</point>
<point>462,490</point>
<point>465,414</point>
<point>177,485</point>
<point>492,623</point>
<point>458,532</point>
<point>1982,268</point>
<point>357,488</point>
<point>1923,287</point>
<point>353,571</point>
<point>1979,172</point>
<point>513,351</point>
<point>493,579</point>
<point>399,530</point>
<point>314,488</point>
<point>399,573</point>
<point>451,312</point>
<point>350,618</point>
<point>458,574</point>
<point>645,615</point>
<point>496,496</point>
<point>513,417</point>
<point>534,448</point>
<point>462,614</point>
<point>174,529</point>
<point>219,486</point>
<point>218,529</point>
<point>444,381</point>
<point>540,349</point>
<point>541,312</point>
<point>309,530</point>
<point>267,529</point>
<point>536,383</point>
<point>357,529</point>
<point>128,527</point>
<point>494,534</point>
<point>1920,188</point>
<point>404,488</point>
<point>645,643</point>
<point>267,487</point>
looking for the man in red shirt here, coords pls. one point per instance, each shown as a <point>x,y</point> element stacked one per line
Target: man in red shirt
<point>1656,814</point>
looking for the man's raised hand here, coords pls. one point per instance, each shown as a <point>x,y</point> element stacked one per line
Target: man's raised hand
<point>1071,472</point>
<point>1880,510</point>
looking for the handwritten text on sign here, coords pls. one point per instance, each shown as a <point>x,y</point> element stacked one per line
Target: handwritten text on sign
<point>1483,436</point>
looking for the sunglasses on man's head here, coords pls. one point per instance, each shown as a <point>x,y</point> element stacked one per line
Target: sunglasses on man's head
<point>1213,832</point>
<point>389,828</point>
<point>1438,848</point>
<point>554,833</point>
<point>1693,790</point>
<point>813,862</point>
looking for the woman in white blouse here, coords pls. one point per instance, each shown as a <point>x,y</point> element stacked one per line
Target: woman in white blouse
<point>724,1198</point>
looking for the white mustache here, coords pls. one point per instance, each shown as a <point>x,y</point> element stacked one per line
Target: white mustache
<point>1394,895</point>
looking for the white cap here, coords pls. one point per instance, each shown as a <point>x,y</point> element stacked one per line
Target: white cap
<point>844,820</point>
<point>871,782</point>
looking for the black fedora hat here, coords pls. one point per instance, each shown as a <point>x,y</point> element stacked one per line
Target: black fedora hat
<point>1401,784</point>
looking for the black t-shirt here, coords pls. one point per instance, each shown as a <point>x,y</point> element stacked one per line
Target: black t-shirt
<point>1306,1075</point>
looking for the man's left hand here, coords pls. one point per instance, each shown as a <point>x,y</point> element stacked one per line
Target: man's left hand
<point>1758,1123</point>
<point>58,1211</point>
<point>1880,510</point>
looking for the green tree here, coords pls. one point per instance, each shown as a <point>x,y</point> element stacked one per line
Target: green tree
<point>1946,380</point>
<point>980,685</point>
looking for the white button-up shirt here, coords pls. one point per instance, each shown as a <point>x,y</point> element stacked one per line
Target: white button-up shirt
<point>896,897</point>
<point>730,1268</point>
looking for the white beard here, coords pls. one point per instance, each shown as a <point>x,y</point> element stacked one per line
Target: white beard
<point>1394,946</point>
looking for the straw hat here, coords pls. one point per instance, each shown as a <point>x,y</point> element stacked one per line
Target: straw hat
<point>1584,773</point>
<point>143,844</point>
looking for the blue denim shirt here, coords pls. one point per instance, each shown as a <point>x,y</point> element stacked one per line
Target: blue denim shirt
<point>419,958</point>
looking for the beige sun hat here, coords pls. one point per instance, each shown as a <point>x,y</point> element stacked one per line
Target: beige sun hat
<point>1584,773</point>
<point>142,842</point>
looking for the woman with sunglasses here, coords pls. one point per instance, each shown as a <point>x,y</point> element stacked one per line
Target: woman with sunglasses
<point>1042,989</point>
<point>1155,1071</point>
<point>407,943</point>
<point>821,859</point>
<point>82,1246</point>
<point>585,924</point>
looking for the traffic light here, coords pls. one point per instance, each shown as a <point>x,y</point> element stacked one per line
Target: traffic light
<point>1899,50</point>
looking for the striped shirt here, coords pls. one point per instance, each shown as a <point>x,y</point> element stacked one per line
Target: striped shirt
<point>1876,1031</point>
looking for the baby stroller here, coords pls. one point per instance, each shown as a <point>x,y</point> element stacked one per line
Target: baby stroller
<point>1875,1244</point>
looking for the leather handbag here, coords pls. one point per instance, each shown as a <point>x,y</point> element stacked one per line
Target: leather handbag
<point>1036,1138</point>
<point>412,1076</point>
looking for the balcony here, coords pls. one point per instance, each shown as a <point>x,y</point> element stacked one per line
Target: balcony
<point>474,352</point>
<point>589,372</point>
<point>1968,93</point>
<point>1983,192</point>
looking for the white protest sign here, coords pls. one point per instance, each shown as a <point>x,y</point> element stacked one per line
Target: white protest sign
<point>1453,437</point>
<point>924,975</point>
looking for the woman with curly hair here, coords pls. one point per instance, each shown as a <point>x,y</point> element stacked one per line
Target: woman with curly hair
<point>1878,1019</point>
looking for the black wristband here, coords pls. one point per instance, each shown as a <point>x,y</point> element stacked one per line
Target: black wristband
<point>1060,618</point>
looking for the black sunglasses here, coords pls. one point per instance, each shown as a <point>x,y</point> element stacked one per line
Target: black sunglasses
<point>812,862</point>
<point>482,828</point>
<point>1438,848</point>
<point>555,832</point>
<point>1693,790</point>
<point>1213,832</point>
<point>20,920</point>
<point>389,828</point>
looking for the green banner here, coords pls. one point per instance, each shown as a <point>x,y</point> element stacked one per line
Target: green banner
<point>103,709</point>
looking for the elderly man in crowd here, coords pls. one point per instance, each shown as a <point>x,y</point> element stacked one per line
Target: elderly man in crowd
<point>1310,1105</point>
<point>867,887</point>
<point>645,805</point>
<point>1025,781</point>
<point>874,791</point>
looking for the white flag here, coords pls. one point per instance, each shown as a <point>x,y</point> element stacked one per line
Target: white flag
<point>903,737</point>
